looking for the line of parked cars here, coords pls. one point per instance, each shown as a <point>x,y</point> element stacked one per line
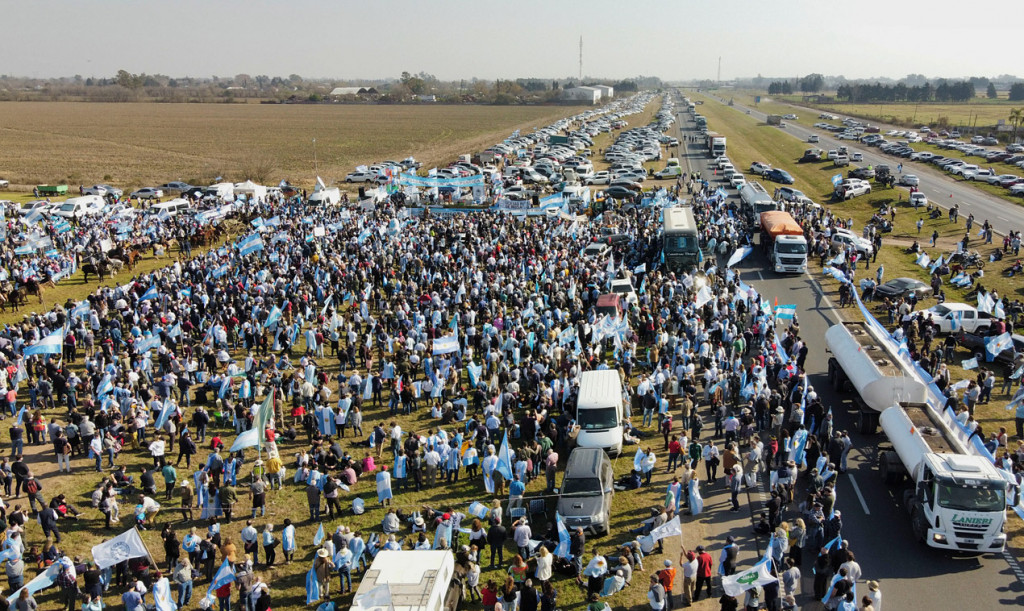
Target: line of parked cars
<point>957,166</point>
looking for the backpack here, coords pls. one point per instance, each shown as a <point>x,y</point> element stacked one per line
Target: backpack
<point>32,486</point>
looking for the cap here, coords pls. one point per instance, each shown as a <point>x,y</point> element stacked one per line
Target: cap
<point>700,548</point>
<point>668,563</point>
<point>838,514</point>
<point>447,516</point>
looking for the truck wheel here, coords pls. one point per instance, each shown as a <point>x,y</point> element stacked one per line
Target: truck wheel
<point>909,500</point>
<point>868,422</point>
<point>917,524</point>
<point>837,380</point>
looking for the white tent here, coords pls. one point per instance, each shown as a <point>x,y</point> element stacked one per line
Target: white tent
<point>251,189</point>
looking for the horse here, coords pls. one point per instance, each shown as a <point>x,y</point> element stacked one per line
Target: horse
<point>16,297</point>
<point>100,269</point>
<point>32,286</point>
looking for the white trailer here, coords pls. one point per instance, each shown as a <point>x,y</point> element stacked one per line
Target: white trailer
<point>410,580</point>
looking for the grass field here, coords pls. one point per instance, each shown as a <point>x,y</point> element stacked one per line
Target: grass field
<point>986,113</point>
<point>132,145</point>
<point>752,141</point>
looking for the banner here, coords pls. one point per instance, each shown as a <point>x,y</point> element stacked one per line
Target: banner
<point>668,529</point>
<point>412,180</point>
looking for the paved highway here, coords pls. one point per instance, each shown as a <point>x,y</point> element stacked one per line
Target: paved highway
<point>911,575</point>
<point>938,186</point>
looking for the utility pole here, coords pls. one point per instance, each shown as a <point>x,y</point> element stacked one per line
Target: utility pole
<point>719,80</point>
<point>316,168</point>
<point>581,59</point>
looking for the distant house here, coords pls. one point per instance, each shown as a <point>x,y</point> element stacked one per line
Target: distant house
<point>590,95</point>
<point>356,91</point>
<point>606,91</point>
<point>427,98</point>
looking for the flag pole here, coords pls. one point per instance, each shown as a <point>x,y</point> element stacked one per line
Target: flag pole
<point>152,560</point>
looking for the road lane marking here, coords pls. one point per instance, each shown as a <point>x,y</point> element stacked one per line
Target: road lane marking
<point>821,292</point>
<point>759,276</point>
<point>860,496</point>
<point>1014,565</point>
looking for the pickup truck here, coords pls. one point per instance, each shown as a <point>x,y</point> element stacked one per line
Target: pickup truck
<point>852,187</point>
<point>4,184</point>
<point>976,344</point>
<point>967,317</point>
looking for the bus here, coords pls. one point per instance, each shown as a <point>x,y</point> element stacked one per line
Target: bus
<point>679,239</point>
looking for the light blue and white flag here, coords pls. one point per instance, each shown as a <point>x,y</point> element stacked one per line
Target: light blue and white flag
<point>151,293</point>
<point>995,345</point>
<point>51,344</point>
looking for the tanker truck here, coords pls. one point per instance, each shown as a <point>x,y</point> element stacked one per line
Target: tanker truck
<point>956,499</point>
<point>782,240</point>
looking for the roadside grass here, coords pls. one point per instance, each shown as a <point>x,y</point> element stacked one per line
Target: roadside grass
<point>749,141</point>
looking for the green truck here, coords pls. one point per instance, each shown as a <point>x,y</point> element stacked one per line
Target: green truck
<point>50,190</point>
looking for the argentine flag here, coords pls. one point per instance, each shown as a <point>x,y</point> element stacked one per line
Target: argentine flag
<point>151,293</point>
<point>51,344</point>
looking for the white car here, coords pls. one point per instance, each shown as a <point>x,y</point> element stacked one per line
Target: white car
<point>41,205</point>
<point>147,193</point>
<point>910,180</point>
<point>102,191</point>
<point>80,207</point>
<point>813,138</point>
<point>361,177</point>
<point>842,238</point>
<point>624,287</point>
<point>918,200</point>
<point>998,180</point>
<point>979,174</point>
<point>856,157</point>
<point>737,180</point>
<point>759,168</point>
<point>962,170</point>
<point>599,178</point>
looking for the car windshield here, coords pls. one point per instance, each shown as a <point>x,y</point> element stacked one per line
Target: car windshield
<point>622,289</point>
<point>581,485</point>
<point>790,249</point>
<point>67,207</point>
<point>952,496</point>
<point>597,418</point>
<point>941,310</point>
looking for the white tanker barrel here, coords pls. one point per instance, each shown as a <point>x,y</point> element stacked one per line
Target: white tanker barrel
<point>876,375</point>
<point>905,437</point>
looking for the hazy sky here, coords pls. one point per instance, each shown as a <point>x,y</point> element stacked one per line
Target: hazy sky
<point>452,39</point>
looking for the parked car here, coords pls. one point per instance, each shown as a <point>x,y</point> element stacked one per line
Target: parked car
<point>856,157</point>
<point>967,317</point>
<point>103,191</point>
<point>619,192</point>
<point>81,207</point>
<point>759,168</point>
<point>599,178</point>
<point>903,287</point>
<point>366,176</point>
<point>842,238</point>
<point>918,200</point>
<point>790,194</point>
<point>862,173</point>
<point>585,498</point>
<point>813,138</point>
<point>909,180</point>
<point>779,175</point>
<point>979,174</point>
<point>147,193</point>
<point>976,344</point>
<point>176,186</point>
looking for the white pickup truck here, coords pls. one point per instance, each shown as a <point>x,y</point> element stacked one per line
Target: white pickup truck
<point>852,187</point>
<point>950,317</point>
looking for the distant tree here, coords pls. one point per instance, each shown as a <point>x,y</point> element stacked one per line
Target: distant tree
<point>1017,92</point>
<point>1016,116</point>
<point>812,83</point>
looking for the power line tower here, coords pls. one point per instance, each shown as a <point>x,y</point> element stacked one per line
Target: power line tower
<point>581,59</point>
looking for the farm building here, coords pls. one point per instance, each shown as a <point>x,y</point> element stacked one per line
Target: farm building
<point>591,95</point>
<point>341,91</point>
<point>606,91</point>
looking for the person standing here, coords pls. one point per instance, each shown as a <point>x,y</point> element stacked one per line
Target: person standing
<point>496,536</point>
<point>656,594</point>
<point>704,562</point>
<point>269,545</point>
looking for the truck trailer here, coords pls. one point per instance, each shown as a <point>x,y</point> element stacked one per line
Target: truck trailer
<point>956,499</point>
<point>783,241</point>
<point>716,145</point>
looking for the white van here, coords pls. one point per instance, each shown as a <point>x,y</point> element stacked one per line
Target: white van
<point>173,207</point>
<point>599,411</point>
<point>80,207</point>
<point>409,580</point>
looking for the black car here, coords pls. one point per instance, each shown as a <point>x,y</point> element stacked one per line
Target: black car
<point>903,287</point>
<point>619,192</point>
<point>976,344</point>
